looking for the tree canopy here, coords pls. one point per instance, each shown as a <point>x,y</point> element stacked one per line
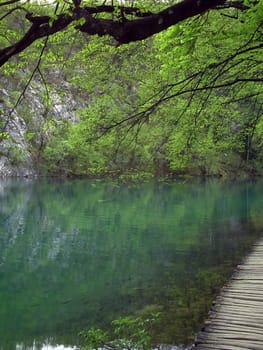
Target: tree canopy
<point>186,100</point>
<point>125,23</point>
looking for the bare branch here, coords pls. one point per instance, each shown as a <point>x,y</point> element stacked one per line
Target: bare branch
<point>214,86</point>
<point>8,13</point>
<point>29,81</point>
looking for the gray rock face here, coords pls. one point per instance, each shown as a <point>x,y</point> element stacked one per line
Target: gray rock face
<point>10,170</point>
<point>23,131</point>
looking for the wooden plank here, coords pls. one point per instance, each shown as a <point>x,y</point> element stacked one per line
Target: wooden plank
<point>244,322</point>
<point>240,322</point>
<point>236,313</point>
<point>242,297</point>
<point>235,328</point>
<point>220,347</point>
<point>236,333</point>
<point>235,317</point>
<point>246,302</point>
<point>246,344</point>
<point>247,292</point>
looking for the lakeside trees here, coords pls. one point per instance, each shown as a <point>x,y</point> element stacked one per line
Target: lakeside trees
<point>188,100</point>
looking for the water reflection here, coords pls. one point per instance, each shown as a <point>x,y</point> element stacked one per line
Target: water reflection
<point>79,253</point>
<point>36,346</point>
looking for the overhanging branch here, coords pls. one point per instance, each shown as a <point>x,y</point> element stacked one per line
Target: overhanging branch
<point>141,26</point>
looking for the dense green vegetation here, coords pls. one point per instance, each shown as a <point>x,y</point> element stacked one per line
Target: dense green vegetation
<point>186,101</point>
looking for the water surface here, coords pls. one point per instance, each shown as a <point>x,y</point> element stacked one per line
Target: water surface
<point>80,253</point>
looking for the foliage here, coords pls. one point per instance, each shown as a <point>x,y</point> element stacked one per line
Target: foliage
<point>94,339</point>
<point>125,23</point>
<point>129,333</point>
<point>186,101</point>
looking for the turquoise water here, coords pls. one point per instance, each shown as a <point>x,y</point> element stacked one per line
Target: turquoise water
<point>80,253</point>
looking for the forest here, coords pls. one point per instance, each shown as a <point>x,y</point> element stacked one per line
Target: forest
<point>178,96</point>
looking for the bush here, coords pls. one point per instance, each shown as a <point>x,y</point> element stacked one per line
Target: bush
<point>128,333</point>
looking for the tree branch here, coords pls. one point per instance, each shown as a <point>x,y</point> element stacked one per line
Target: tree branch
<point>39,29</point>
<point>21,96</point>
<point>142,28</point>
<point>111,9</point>
<point>8,13</point>
<point>122,30</point>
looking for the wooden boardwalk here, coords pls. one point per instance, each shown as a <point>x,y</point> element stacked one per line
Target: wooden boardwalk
<point>236,320</point>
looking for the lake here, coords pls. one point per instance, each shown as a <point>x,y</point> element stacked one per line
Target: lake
<point>80,253</point>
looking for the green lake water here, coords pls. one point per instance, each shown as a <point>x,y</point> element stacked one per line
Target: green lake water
<point>80,253</point>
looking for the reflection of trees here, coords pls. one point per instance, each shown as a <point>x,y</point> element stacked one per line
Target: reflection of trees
<point>78,252</point>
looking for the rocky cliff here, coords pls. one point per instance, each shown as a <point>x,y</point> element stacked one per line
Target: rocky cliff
<point>24,126</point>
